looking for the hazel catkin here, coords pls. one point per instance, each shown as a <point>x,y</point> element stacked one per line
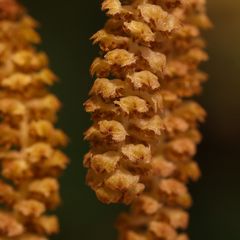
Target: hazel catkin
<point>145,126</point>
<point>30,158</point>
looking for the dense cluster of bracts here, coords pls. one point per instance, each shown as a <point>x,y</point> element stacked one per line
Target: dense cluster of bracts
<point>145,129</point>
<point>30,160</point>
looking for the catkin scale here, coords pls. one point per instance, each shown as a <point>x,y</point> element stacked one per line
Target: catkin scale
<point>30,158</point>
<point>145,130</point>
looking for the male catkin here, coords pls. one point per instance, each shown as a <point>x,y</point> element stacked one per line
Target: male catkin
<point>145,129</point>
<point>30,159</point>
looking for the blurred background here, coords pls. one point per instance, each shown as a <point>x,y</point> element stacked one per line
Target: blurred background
<point>66,27</point>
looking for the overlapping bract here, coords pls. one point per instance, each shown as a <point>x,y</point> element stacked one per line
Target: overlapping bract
<point>145,129</point>
<point>29,156</point>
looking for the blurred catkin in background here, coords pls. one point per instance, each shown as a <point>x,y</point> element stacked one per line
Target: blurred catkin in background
<point>29,156</point>
<point>216,195</point>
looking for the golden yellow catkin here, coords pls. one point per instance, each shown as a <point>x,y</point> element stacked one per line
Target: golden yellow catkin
<point>145,129</point>
<point>30,158</point>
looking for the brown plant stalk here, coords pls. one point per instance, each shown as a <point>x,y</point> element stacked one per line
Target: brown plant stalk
<point>30,159</point>
<point>145,130</point>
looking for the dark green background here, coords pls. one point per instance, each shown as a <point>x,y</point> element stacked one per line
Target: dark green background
<point>65,28</point>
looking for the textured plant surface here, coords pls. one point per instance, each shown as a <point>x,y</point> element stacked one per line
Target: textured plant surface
<point>29,157</point>
<point>145,129</point>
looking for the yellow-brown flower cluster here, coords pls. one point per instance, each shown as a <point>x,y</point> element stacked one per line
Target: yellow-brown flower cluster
<point>30,160</point>
<point>144,135</point>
